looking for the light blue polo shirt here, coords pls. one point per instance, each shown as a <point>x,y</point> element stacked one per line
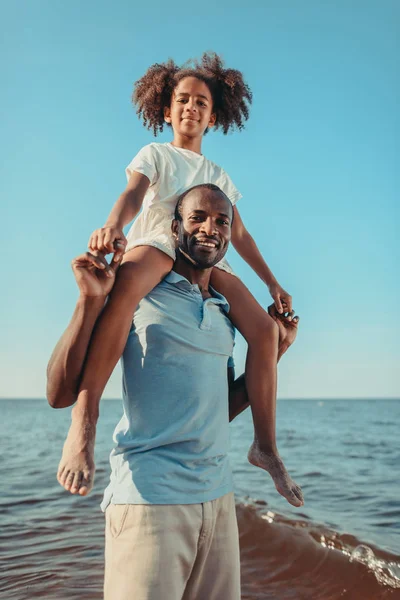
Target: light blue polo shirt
<point>171,444</point>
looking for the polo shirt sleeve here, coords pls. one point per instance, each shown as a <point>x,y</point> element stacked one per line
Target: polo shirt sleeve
<point>145,162</point>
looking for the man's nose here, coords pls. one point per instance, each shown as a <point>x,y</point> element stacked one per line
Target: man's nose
<point>208,227</point>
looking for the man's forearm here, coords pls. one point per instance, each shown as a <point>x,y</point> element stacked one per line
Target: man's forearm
<point>238,399</point>
<point>65,367</point>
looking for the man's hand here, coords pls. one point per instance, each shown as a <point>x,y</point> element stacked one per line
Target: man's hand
<point>282,300</point>
<point>108,239</point>
<point>94,276</point>
<point>287,327</point>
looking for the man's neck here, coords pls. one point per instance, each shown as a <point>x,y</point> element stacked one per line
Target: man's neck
<point>183,267</point>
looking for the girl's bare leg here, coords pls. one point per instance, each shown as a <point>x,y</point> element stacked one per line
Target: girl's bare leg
<point>262,336</point>
<point>141,270</point>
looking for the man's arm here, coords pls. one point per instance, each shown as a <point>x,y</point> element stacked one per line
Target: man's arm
<point>95,279</point>
<point>238,399</point>
<point>66,363</point>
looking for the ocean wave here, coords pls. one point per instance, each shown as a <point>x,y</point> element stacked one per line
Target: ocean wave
<point>289,558</point>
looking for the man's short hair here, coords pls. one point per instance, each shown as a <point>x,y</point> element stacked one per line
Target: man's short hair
<point>207,186</point>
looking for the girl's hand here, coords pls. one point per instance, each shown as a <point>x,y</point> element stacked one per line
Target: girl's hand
<point>282,300</point>
<point>108,239</point>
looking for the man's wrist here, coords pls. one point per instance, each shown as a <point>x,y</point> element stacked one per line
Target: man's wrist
<point>282,348</point>
<point>91,303</point>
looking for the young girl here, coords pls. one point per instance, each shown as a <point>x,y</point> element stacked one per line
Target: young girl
<point>191,100</point>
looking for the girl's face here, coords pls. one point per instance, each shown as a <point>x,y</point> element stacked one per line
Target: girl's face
<point>190,113</point>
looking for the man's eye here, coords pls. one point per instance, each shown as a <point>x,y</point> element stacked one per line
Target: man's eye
<point>223,222</point>
<point>202,104</point>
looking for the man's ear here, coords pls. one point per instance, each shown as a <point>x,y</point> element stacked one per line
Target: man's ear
<point>212,121</point>
<point>174,228</point>
<point>167,114</point>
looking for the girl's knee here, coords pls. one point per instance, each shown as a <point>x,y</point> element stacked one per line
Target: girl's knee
<point>265,330</point>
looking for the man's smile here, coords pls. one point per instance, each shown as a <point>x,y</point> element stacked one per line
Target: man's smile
<point>206,243</point>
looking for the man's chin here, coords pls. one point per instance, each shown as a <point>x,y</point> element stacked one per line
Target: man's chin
<point>201,260</point>
<point>204,261</point>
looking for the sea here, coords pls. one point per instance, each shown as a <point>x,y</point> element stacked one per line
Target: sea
<point>343,543</point>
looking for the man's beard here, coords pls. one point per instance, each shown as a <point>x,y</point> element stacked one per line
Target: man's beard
<point>198,263</point>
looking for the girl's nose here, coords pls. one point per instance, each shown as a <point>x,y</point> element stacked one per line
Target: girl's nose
<point>191,105</point>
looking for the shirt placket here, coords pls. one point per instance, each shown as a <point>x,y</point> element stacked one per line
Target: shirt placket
<point>205,316</point>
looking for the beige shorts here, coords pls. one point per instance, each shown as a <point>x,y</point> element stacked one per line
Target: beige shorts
<point>173,551</point>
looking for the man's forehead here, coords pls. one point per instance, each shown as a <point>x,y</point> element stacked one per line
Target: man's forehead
<point>206,200</point>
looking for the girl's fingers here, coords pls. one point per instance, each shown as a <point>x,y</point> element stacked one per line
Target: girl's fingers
<point>288,301</point>
<point>94,241</point>
<point>108,241</point>
<point>101,247</point>
<point>278,305</point>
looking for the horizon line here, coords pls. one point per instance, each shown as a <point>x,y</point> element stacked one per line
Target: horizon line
<point>319,398</point>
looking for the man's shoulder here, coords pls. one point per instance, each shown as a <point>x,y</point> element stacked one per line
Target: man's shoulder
<point>172,283</point>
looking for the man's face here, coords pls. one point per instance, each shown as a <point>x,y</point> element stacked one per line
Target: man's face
<point>190,113</point>
<point>204,233</point>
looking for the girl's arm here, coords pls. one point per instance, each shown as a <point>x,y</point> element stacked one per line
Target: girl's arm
<point>247,248</point>
<point>124,210</point>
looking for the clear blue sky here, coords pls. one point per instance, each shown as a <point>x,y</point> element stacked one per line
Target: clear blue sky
<point>316,166</point>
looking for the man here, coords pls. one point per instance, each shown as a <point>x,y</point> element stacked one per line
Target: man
<point>171,529</point>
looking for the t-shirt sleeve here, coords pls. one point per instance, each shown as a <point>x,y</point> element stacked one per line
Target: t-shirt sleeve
<point>226,184</point>
<point>145,162</point>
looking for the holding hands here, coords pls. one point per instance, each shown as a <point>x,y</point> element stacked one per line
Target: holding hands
<point>107,239</point>
<point>282,300</point>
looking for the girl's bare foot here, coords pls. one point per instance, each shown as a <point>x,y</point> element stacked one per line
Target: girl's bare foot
<point>76,469</point>
<point>273,463</point>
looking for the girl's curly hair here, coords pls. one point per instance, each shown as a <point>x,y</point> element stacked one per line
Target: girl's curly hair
<point>231,95</point>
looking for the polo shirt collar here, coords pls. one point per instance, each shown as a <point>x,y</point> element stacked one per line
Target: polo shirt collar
<point>178,280</point>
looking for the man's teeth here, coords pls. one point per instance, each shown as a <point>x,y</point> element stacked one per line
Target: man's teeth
<point>210,245</point>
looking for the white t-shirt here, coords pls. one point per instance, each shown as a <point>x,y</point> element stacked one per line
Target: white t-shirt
<point>171,171</point>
